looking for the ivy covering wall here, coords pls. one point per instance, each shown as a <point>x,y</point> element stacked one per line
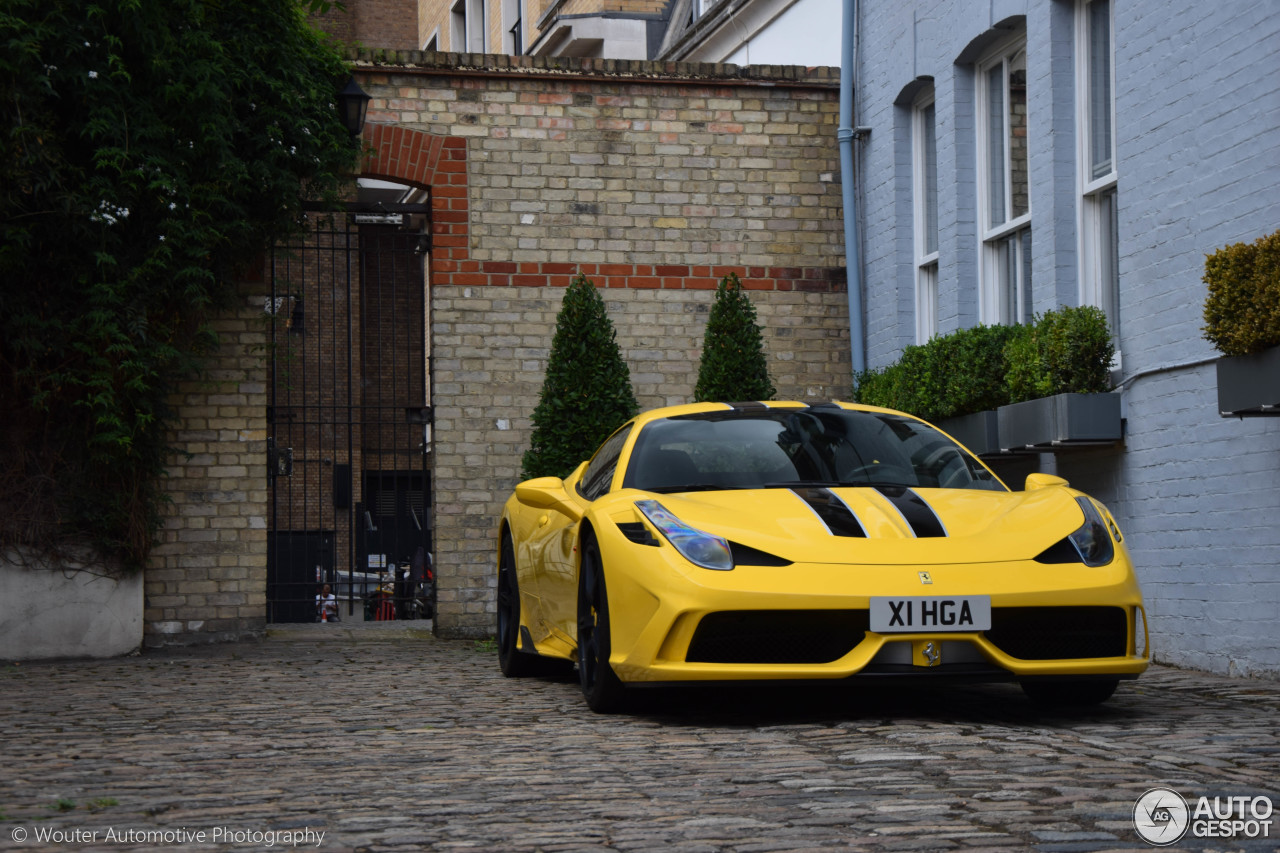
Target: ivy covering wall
<point>150,149</point>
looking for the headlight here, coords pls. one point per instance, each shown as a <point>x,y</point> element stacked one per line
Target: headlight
<point>1092,540</point>
<point>701,549</point>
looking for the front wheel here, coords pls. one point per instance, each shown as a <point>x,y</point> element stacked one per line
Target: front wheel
<point>512,662</point>
<point>600,685</point>
<point>1081,692</point>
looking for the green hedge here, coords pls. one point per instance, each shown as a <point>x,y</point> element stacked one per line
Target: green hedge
<point>1242,310</point>
<point>985,367</point>
<point>1063,351</point>
<point>952,375</point>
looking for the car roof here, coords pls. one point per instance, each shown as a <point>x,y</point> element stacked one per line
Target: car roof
<point>752,406</point>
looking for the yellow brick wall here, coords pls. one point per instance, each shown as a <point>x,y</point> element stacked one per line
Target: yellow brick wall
<point>207,578</point>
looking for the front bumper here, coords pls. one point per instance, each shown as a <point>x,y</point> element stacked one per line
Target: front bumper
<point>675,623</point>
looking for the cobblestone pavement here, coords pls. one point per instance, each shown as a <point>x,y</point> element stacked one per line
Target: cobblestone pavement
<point>390,739</point>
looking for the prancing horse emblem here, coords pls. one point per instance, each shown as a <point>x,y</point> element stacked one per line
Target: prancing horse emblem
<point>924,577</point>
<point>931,655</point>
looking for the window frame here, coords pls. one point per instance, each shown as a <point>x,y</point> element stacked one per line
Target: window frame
<point>593,484</point>
<point>1098,244</point>
<point>1084,92</point>
<point>993,238</point>
<point>458,26</point>
<point>926,260</point>
<point>477,26</point>
<point>513,27</point>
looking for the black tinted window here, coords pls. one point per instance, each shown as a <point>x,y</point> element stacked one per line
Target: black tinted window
<point>599,474</point>
<point>781,447</point>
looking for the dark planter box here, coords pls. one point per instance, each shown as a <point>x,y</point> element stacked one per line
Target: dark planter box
<point>979,432</point>
<point>1061,421</point>
<point>1249,385</point>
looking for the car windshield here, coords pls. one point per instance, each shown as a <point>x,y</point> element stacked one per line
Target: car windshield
<point>781,448</point>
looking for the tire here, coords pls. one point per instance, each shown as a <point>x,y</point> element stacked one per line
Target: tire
<point>513,662</point>
<point>1078,693</point>
<point>600,685</point>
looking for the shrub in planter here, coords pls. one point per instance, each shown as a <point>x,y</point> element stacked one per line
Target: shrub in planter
<point>972,369</point>
<point>1242,309</point>
<point>587,392</point>
<point>901,384</point>
<point>733,365</point>
<point>881,387</point>
<point>950,376</point>
<point>1063,351</point>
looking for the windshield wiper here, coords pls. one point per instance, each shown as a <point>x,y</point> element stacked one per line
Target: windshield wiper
<point>691,487</point>
<point>816,484</point>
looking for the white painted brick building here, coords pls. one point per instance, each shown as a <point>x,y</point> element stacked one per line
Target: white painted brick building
<point>1149,138</point>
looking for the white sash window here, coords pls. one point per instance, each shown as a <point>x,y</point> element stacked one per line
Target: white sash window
<point>1096,156</point>
<point>1004,186</point>
<point>924,143</point>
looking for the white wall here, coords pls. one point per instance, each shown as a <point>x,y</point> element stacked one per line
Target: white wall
<point>806,33</point>
<point>67,613</point>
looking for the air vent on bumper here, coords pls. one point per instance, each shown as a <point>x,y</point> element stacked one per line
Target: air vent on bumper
<point>1059,633</point>
<point>777,636</point>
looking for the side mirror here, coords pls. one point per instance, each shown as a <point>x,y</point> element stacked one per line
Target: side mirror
<point>547,493</point>
<point>1040,481</point>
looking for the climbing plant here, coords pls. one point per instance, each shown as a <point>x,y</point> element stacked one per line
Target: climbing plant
<point>149,148</point>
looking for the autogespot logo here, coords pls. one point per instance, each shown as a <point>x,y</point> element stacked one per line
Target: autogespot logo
<point>1161,816</point>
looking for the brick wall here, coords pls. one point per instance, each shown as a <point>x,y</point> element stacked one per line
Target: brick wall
<point>392,24</point>
<point>1198,167</point>
<point>490,346</point>
<point>207,578</point>
<point>654,180</point>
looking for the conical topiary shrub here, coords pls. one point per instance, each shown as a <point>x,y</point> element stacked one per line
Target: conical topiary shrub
<point>587,393</point>
<point>733,366</point>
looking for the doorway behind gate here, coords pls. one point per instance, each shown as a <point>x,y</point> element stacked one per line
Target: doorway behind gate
<point>349,412</point>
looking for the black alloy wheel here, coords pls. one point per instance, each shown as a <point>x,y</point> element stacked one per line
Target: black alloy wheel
<point>600,685</point>
<point>511,660</point>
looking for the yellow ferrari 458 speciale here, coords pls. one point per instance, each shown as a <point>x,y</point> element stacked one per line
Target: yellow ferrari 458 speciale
<point>779,541</point>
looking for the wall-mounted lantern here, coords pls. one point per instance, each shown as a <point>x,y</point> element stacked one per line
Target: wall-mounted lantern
<point>353,102</point>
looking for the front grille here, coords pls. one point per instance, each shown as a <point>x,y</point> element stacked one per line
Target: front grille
<point>1053,633</point>
<point>777,636</point>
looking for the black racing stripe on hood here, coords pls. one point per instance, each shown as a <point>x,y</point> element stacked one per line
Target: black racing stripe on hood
<point>832,511</point>
<point>923,520</point>
<point>749,406</point>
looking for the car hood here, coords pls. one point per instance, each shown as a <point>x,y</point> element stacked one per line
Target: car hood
<point>893,526</point>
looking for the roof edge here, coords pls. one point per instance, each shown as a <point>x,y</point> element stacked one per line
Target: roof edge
<point>435,63</point>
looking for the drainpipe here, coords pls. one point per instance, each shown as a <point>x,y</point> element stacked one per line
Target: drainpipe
<point>845,134</point>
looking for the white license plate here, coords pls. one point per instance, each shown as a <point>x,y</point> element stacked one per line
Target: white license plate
<point>930,613</point>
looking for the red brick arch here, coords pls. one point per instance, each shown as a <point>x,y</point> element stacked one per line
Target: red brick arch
<point>438,163</point>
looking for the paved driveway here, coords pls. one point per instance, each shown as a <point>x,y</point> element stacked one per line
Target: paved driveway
<point>347,737</point>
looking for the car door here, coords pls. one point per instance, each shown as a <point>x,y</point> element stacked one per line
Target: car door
<point>558,580</point>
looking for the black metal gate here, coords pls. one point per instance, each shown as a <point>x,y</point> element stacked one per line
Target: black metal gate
<point>349,417</point>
